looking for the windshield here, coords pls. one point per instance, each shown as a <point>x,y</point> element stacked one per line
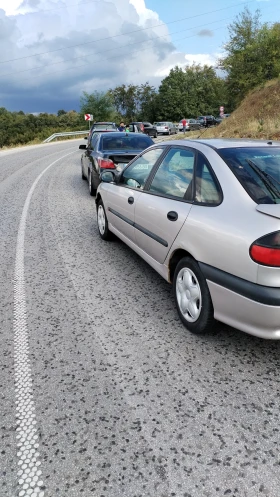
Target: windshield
<point>162,124</point>
<point>126,142</point>
<point>258,170</point>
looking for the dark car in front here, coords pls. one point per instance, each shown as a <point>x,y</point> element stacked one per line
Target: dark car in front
<point>110,151</point>
<point>101,126</point>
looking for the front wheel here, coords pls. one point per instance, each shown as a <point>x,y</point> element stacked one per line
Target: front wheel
<point>155,135</point>
<point>192,297</point>
<point>102,222</point>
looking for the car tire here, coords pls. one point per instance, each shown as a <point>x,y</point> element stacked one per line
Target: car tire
<point>169,132</point>
<point>192,297</point>
<point>83,176</point>
<point>155,135</point>
<point>92,190</point>
<point>102,222</point>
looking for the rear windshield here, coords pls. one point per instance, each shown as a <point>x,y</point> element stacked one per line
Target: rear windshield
<point>162,124</point>
<point>104,126</point>
<point>258,170</point>
<point>126,142</point>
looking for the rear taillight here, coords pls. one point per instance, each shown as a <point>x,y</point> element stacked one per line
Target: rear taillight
<point>166,127</point>
<point>266,250</point>
<point>106,163</point>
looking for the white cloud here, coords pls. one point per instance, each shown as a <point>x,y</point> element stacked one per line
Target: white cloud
<point>123,51</point>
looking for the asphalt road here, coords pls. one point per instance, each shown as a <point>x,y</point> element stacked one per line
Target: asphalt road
<point>103,392</point>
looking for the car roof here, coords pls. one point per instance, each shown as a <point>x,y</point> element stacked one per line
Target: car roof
<point>220,143</point>
<point>123,133</point>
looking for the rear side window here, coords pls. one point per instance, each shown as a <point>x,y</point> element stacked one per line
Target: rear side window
<point>207,188</point>
<point>174,175</point>
<point>258,170</point>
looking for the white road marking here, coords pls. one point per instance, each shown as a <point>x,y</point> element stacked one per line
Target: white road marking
<point>29,474</point>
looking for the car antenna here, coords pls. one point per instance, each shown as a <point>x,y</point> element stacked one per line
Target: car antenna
<point>201,133</point>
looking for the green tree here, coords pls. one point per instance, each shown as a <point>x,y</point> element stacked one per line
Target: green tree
<point>189,92</point>
<point>98,103</point>
<point>252,54</point>
<point>60,112</point>
<point>146,98</point>
<point>125,99</point>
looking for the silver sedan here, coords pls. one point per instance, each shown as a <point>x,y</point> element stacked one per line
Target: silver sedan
<point>205,214</point>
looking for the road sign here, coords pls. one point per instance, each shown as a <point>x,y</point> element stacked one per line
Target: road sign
<point>88,117</point>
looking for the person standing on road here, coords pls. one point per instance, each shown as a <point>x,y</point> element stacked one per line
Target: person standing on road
<point>184,123</point>
<point>121,127</point>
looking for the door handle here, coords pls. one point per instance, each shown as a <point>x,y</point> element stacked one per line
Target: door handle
<point>130,200</point>
<point>172,216</point>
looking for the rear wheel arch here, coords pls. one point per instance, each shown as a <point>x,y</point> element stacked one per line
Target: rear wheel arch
<point>175,259</point>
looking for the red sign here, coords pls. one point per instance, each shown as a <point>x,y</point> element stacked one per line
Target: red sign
<point>88,117</point>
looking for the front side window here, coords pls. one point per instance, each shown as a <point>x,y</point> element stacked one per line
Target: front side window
<point>207,189</point>
<point>174,175</point>
<point>137,173</point>
<point>258,170</point>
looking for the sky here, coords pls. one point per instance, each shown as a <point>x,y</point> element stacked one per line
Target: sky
<point>53,50</point>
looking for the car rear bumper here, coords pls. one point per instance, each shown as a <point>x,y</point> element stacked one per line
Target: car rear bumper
<point>243,304</point>
<point>247,315</point>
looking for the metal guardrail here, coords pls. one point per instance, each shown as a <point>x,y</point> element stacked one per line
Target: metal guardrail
<point>67,133</point>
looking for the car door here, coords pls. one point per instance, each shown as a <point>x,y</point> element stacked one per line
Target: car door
<point>87,158</point>
<point>120,199</point>
<point>161,211</point>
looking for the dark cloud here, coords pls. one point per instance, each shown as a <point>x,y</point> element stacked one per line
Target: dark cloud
<point>72,56</point>
<point>205,32</point>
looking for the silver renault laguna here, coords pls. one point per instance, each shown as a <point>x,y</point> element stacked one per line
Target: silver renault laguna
<point>205,214</point>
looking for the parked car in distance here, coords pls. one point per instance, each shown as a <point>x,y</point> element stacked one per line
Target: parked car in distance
<point>166,128</point>
<point>205,214</point>
<point>192,124</point>
<point>207,121</point>
<point>219,119</point>
<point>110,151</point>
<point>138,125</point>
<point>150,129</point>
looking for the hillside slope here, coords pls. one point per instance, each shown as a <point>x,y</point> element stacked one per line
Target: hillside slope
<point>258,116</point>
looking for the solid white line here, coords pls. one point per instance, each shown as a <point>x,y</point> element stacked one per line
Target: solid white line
<point>29,474</point>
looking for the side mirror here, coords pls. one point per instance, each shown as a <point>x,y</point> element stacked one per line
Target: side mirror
<point>107,177</point>
<point>82,147</point>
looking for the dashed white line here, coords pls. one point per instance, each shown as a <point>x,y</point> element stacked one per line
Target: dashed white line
<point>29,473</point>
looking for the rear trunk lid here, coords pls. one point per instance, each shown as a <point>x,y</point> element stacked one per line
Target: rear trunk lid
<point>269,209</point>
<point>121,159</point>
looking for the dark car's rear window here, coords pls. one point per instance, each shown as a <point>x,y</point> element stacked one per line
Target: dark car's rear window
<point>258,170</point>
<point>104,126</point>
<point>125,142</point>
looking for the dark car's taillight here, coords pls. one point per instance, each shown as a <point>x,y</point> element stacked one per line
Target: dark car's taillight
<point>106,163</point>
<point>266,250</point>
